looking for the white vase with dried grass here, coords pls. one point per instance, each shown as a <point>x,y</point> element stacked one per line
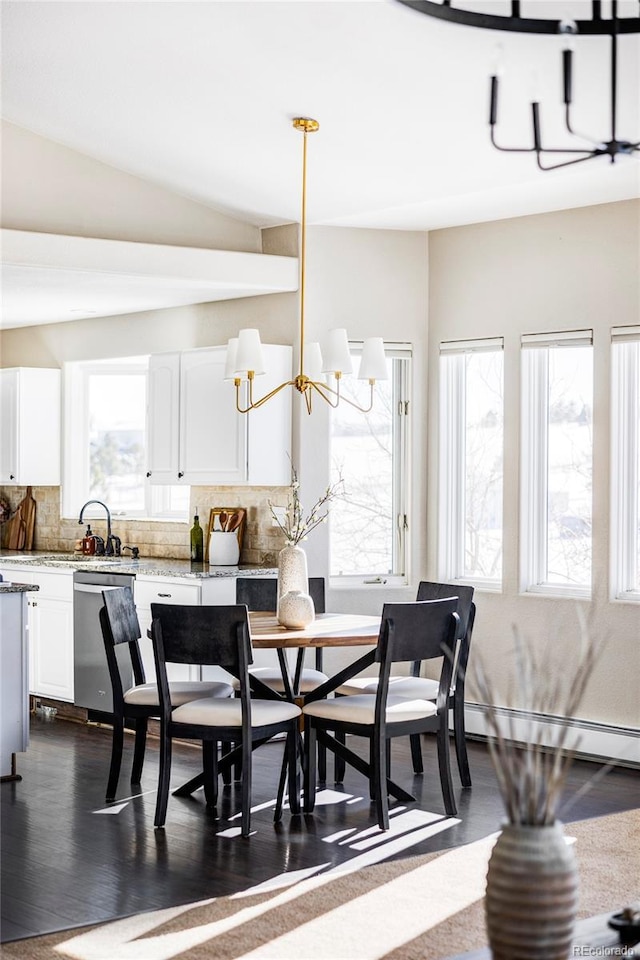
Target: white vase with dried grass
<point>293,582</point>
<point>532,881</point>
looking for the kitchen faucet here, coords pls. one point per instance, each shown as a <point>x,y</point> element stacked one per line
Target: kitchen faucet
<point>113,543</point>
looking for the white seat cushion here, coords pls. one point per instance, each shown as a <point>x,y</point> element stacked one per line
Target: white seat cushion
<point>413,687</point>
<point>272,677</point>
<point>361,709</point>
<point>228,713</point>
<point>146,695</point>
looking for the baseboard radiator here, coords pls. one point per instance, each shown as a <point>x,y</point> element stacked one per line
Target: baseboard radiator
<point>595,741</point>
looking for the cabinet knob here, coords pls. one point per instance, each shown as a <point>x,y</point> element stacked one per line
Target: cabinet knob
<point>11,476</point>
<point>180,474</point>
<point>148,473</point>
<point>164,594</point>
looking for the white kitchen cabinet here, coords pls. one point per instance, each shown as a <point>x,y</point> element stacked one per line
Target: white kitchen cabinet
<point>50,630</point>
<point>154,590</point>
<point>163,418</point>
<point>30,428</point>
<point>196,436</point>
<point>14,696</point>
<point>209,591</point>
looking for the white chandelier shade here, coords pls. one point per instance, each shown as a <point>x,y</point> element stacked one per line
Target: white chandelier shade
<point>244,354</point>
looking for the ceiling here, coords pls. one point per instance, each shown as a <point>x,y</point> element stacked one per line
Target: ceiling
<point>199,96</point>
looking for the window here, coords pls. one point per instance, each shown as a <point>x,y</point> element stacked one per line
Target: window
<point>471,461</point>
<point>105,442</point>
<point>556,480</point>
<point>368,525</point>
<point>625,463</point>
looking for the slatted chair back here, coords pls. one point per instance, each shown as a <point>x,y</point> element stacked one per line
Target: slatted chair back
<point>429,590</point>
<point>261,593</point>
<point>418,631</point>
<point>119,624</point>
<point>258,593</point>
<point>204,635</point>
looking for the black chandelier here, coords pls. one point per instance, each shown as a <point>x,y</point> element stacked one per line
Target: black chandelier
<point>512,20</point>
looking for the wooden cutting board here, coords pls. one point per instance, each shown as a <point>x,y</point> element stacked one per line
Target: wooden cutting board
<point>16,531</point>
<point>20,529</point>
<point>28,511</point>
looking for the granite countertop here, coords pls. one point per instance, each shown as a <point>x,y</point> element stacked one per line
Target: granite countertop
<point>148,566</point>
<point>10,587</point>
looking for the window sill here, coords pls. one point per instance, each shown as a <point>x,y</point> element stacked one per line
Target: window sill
<point>124,518</point>
<point>371,582</point>
<point>557,592</point>
<point>629,596</point>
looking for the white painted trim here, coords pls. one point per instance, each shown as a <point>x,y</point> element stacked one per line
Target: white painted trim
<point>625,459</point>
<point>597,740</point>
<point>241,274</point>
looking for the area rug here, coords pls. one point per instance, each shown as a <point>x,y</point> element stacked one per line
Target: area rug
<point>421,908</point>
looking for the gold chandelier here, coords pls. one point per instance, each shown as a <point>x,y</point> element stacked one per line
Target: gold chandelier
<point>244,352</point>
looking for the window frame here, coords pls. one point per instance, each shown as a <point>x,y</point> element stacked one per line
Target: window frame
<point>401,355</point>
<point>451,463</point>
<point>75,461</point>
<point>625,463</point>
<point>534,463</point>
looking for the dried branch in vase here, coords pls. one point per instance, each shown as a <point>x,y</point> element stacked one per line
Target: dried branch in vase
<point>532,764</point>
<point>295,526</point>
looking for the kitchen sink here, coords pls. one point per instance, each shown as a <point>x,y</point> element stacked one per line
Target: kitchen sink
<point>66,560</point>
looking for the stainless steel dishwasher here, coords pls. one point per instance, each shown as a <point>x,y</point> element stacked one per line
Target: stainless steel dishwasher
<point>91,674</point>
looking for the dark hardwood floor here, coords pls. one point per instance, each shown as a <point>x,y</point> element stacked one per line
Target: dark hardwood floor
<point>69,859</point>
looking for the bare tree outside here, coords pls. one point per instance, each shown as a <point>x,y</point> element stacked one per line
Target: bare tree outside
<point>117,410</point>
<point>569,458</point>
<point>483,438</point>
<point>361,521</point>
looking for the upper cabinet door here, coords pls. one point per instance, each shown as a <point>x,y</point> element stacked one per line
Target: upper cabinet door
<point>30,427</point>
<point>196,436</point>
<point>213,435</point>
<point>163,418</point>
<point>270,426</point>
<point>9,432</point>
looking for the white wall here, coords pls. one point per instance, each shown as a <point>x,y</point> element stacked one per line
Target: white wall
<point>557,271</point>
<point>374,283</point>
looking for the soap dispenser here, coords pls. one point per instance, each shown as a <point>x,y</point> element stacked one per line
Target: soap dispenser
<point>88,542</point>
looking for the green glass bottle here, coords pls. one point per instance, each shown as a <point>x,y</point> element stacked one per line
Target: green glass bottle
<point>197,539</point>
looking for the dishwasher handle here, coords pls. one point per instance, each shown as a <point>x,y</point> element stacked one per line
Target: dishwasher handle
<point>91,588</point>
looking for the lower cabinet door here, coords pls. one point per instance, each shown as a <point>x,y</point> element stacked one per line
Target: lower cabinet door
<point>147,592</point>
<point>51,648</point>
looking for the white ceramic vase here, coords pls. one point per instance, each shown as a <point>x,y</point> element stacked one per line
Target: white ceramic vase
<point>296,610</point>
<point>292,575</point>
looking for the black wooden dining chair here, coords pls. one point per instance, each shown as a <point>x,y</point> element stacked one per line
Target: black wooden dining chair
<point>414,685</point>
<point>409,632</point>
<point>260,593</point>
<point>136,704</point>
<point>216,635</point>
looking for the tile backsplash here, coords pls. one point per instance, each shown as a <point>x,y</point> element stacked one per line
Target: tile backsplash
<point>154,538</point>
